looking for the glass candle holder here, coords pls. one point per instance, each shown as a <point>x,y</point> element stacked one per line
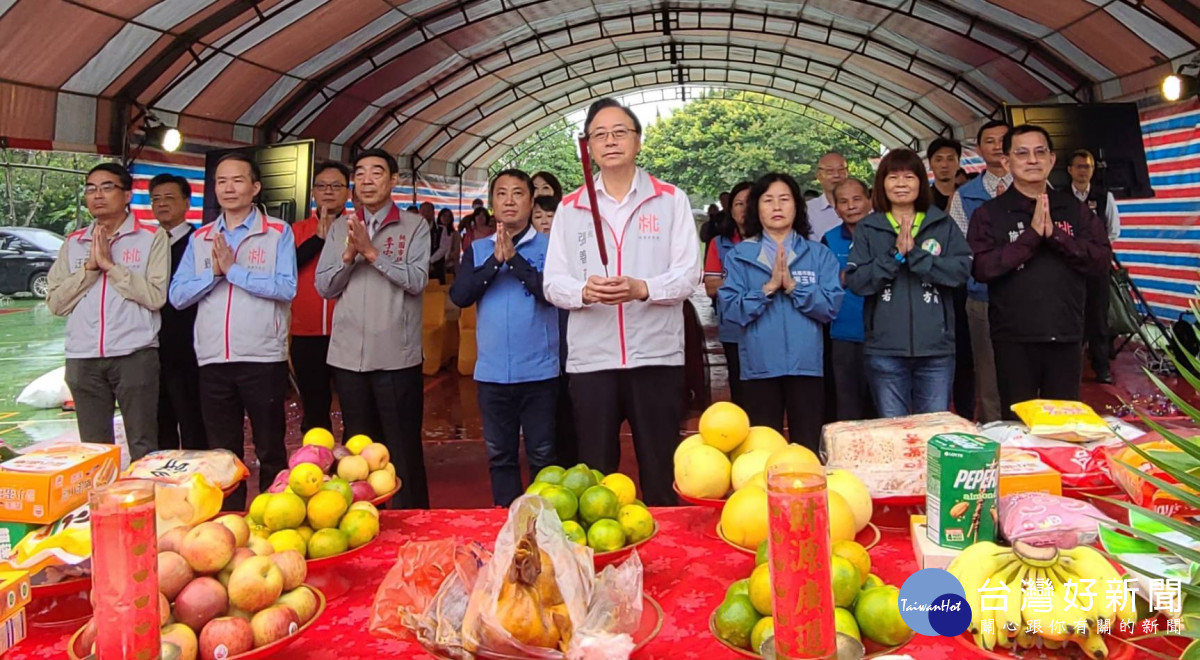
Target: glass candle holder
<point>799,555</point>
<point>125,571</point>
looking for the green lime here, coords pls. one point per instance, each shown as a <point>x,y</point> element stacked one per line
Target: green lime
<point>846,583</point>
<point>762,630</point>
<point>735,620</point>
<point>551,474</point>
<point>561,499</point>
<point>739,588</point>
<point>578,479</point>
<point>605,536</point>
<point>843,620</point>
<point>760,556</point>
<point>575,532</point>
<point>598,503</point>
<point>537,487</point>
<point>599,475</point>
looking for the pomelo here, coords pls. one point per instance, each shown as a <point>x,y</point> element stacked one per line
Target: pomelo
<point>703,471</point>
<point>760,437</point>
<point>744,517</point>
<point>793,454</point>
<point>747,466</point>
<point>855,493</point>
<point>724,426</point>
<point>841,519</point>
<point>688,443</point>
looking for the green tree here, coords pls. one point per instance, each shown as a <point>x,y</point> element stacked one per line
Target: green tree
<point>43,188</point>
<point>711,143</point>
<point>552,149</point>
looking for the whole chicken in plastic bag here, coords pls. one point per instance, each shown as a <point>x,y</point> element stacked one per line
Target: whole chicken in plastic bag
<point>530,606</point>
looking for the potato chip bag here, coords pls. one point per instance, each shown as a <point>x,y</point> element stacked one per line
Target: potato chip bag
<point>1063,420</point>
<point>66,542</point>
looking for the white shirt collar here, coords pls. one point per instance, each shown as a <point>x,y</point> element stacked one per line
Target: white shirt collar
<point>177,232</point>
<point>1081,194</point>
<point>628,196</point>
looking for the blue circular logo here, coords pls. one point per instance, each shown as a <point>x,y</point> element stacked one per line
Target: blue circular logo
<point>933,602</point>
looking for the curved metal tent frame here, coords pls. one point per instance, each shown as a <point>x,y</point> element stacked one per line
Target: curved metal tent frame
<point>458,81</point>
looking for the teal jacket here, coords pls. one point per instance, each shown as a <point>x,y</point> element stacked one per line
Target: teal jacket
<point>908,306</point>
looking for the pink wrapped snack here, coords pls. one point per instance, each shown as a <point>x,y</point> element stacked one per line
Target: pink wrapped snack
<point>1049,520</point>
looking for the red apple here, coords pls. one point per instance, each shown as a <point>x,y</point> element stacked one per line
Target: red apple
<point>224,637</point>
<point>172,539</point>
<point>174,573</point>
<point>185,638</point>
<point>273,624</point>
<point>302,601</point>
<point>256,583</point>
<point>208,547</point>
<point>200,601</point>
<point>240,555</point>
<point>362,491</point>
<point>291,564</point>
<point>236,524</point>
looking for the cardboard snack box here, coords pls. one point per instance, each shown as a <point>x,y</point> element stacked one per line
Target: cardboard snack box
<point>15,592</point>
<point>13,631</point>
<point>45,484</point>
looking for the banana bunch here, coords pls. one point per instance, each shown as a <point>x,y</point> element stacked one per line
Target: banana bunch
<point>1000,574</point>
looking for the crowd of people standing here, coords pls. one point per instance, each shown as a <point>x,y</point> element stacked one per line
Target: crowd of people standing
<point>910,293</point>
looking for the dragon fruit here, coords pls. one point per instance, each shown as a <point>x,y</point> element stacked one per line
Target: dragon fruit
<point>315,454</point>
<point>281,481</point>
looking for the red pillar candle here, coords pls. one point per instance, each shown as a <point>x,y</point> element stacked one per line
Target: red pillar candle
<point>125,571</point>
<point>799,550</point>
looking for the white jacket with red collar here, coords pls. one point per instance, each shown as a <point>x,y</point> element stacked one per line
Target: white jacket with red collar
<point>653,239</point>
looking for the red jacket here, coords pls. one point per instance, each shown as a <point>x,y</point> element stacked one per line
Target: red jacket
<point>312,315</point>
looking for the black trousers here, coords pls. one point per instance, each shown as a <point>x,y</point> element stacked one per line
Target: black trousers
<point>651,398</point>
<point>229,393</point>
<point>1042,370</point>
<point>507,411</point>
<point>963,394</point>
<point>387,406</point>
<point>850,384</point>
<point>566,443</point>
<point>733,364</point>
<point>802,398</point>
<point>1095,324</point>
<point>315,380</point>
<point>180,424</point>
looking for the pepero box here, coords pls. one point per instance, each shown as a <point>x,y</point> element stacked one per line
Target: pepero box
<point>47,483</point>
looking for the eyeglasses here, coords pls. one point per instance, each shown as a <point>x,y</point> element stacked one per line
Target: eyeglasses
<point>331,187</point>
<point>106,188</point>
<point>617,134</point>
<point>1035,155</point>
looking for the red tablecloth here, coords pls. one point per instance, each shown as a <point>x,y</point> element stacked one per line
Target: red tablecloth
<point>687,569</point>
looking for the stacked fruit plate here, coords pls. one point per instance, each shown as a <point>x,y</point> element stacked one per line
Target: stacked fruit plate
<point>601,512</point>
<point>866,609</point>
<point>223,596</point>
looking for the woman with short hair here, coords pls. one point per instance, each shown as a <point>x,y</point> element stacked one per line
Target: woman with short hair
<point>907,258</point>
<point>780,289</point>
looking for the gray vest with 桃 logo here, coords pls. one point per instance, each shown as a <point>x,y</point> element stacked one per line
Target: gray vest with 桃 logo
<point>104,323</point>
<point>232,324</point>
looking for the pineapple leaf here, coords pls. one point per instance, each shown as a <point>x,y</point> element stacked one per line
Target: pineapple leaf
<point>1184,444</point>
<point>1182,477</point>
<point>1187,589</point>
<point>1184,407</point>
<point>1191,531</point>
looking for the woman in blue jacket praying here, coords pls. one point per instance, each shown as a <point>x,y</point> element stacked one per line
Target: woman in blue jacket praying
<point>779,289</point>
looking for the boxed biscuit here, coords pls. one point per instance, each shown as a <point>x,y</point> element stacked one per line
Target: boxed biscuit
<point>49,482</point>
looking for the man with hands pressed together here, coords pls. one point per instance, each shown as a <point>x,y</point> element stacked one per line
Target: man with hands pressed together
<point>109,280</point>
<point>241,271</point>
<point>517,370</point>
<point>376,264</point>
<point>625,337</point>
<point>1035,249</point>
<point>312,315</point>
